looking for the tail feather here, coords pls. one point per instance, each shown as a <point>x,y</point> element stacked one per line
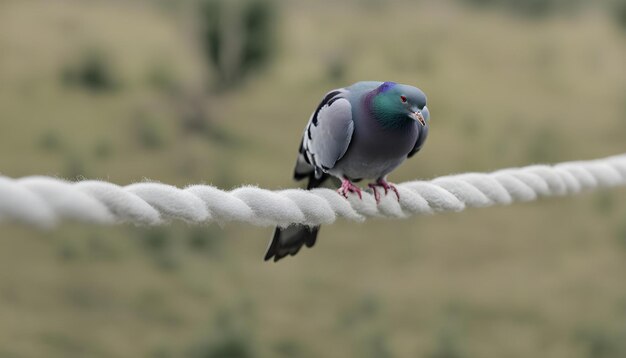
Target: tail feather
<point>289,240</point>
<point>304,170</point>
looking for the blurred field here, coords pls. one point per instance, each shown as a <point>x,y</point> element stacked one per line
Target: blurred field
<point>544,279</point>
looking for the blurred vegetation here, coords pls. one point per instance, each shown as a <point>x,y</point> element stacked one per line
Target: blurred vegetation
<point>161,90</point>
<point>147,131</point>
<point>92,71</point>
<point>536,9</point>
<point>237,37</point>
<point>600,343</point>
<point>531,8</point>
<point>619,11</point>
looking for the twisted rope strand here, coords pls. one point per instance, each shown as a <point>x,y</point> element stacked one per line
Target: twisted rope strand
<point>44,201</point>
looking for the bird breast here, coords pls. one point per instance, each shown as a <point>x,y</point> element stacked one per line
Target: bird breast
<point>375,151</point>
<point>375,141</point>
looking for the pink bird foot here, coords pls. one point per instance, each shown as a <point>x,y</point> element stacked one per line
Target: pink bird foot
<point>385,185</point>
<point>348,187</point>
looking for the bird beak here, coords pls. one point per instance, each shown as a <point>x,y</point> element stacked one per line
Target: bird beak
<point>418,117</point>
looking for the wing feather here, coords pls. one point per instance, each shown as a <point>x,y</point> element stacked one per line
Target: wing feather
<point>327,136</point>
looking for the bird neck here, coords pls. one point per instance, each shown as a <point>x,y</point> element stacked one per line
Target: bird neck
<point>384,113</point>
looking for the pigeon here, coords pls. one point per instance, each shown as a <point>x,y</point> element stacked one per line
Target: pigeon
<point>363,131</point>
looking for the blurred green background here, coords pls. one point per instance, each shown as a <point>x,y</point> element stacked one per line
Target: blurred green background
<point>219,92</point>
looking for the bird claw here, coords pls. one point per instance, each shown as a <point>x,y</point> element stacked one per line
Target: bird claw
<point>348,187</point>
<point>386,186</point>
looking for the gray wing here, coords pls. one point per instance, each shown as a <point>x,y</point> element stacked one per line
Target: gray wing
<point>326,137</point>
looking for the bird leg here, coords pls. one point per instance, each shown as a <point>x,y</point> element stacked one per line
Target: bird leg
<point>348,187</point>
<point>385,185</point>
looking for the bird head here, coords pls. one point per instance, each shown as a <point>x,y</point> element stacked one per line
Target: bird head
<point>396,104</point>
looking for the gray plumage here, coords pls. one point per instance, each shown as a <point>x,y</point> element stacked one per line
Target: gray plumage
<point>363,131</point>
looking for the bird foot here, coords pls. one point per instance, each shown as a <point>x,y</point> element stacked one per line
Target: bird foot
<point>348,187</point>
<point>385,185</point>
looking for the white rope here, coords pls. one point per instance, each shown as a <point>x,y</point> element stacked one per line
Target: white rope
<point>44,201</point>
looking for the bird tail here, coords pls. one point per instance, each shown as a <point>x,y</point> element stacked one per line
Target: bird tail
<point>304,170</point>
<point>289,240</point>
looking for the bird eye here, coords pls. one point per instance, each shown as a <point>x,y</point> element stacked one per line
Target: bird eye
<point>403,99</point>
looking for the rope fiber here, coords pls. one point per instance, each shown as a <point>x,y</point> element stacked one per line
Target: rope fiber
<point>45,201</point>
